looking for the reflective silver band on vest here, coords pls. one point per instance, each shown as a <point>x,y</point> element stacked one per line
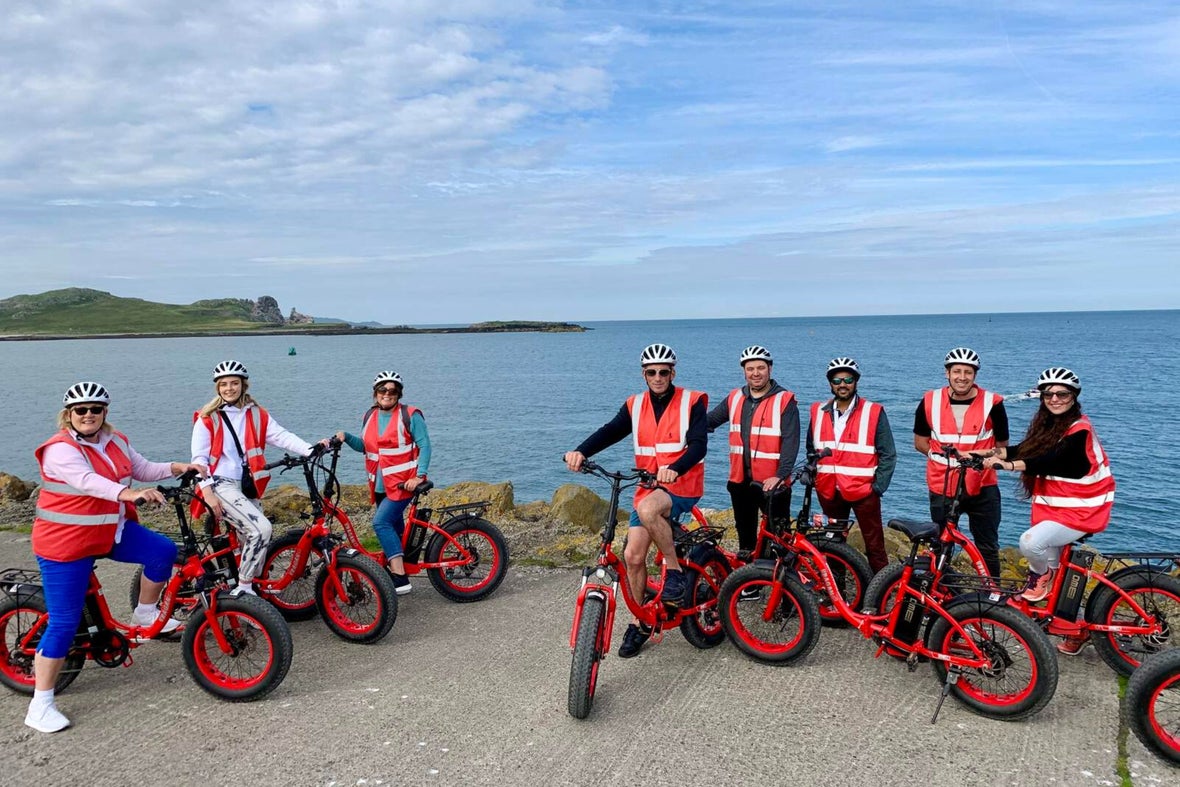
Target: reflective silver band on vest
<point>77,519</point>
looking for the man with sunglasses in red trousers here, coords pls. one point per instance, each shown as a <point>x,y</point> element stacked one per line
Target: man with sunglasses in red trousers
<point>669,431</point>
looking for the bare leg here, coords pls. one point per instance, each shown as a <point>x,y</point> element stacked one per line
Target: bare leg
<point>45,671</point>
<point>635,558</point>
<point>397,564</point>
<point>653,514</point>
<point>149,592</point>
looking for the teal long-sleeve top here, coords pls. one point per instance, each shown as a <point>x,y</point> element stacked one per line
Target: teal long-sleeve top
<point>417,431</point>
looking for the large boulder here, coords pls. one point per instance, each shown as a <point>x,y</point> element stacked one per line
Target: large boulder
<point>578,506</point>
<point>285,504</point>
<point>14,489</point>
<point>499,495</point>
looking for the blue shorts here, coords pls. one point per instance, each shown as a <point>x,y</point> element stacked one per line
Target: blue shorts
<point>680,507</point>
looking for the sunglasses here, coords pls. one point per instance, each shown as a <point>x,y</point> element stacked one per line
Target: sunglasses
<point>389,389</point>
<point>657,372</point>
<point>1064,396</point>
<point>97,409</point>
<point>842,380</point>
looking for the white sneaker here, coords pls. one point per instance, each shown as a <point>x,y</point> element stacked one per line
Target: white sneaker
<point>150,618</point>
<point>46,718</point>
<point>243,590</point>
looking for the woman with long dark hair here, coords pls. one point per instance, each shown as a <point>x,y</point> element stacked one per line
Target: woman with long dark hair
<point>1066,475</point>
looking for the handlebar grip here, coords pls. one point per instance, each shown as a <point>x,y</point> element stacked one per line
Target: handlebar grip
<point>139,501</point>
<point>187,477</point>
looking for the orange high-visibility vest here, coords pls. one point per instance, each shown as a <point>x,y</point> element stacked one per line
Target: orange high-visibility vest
<point>766,434</point>
<point>975,435</point>
<point>392,452</point>
<point>1081,503</point>
<point>853,463</point>
<point>659,445</point>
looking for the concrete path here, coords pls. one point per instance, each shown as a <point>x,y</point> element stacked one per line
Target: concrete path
<point>475,694</point>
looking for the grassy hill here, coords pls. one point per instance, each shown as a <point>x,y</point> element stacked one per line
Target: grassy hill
<point>84,312</point>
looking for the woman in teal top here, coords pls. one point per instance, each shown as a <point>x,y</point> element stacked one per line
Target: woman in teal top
<point>396,446</point>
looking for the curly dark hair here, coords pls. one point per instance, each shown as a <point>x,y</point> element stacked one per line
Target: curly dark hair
<point>1044,431</point>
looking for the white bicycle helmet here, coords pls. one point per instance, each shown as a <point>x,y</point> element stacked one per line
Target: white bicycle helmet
<point>755,352</point>
<point>388,377</point>
<point>230,369</point>
<point>84,393</point>
<point>1059,375</point>
<point>963,355</point>
<point>843,362</point>
<point>657,353</point>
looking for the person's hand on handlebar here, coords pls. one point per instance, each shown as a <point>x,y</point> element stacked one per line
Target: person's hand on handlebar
<point>771,484</point>
<point>180,468</point>
<point>141,495</point>
<point>411,484</point>
<point>666,475</point>
<point>574,460</point>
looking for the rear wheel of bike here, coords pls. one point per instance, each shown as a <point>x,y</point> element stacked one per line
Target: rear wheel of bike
<point>186,599</point>
<point>1022,675</point>
<point>368,609</point>
<point>703,630</point>
<point>259,654</point>
<point>484,567</point>
<point>774,633</point>
<point>297,600</point>
<point>1151,706</point>
<point>17,619</point>
<point>588,654</point>
<point>1159,596</point>
<point>852,573</point>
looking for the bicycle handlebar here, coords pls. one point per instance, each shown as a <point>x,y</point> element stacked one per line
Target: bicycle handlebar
<point>637,474</point>
<point>288,461</point>
<point>969,460</point>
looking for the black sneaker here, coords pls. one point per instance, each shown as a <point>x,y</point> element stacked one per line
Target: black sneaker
<point>401,584</point>
<point>634,638</point>
<point>675,589</point>
<point>750,593</point>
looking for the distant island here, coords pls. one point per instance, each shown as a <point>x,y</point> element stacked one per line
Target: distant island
<point>80,313</point>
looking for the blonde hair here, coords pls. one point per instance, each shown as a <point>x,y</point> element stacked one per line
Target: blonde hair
<point>245,400</point>
<point>63,421</point>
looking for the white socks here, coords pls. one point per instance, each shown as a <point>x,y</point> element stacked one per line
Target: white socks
<point>43,715</point>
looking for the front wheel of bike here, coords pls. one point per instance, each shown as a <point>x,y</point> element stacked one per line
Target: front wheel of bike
<point>772,620</point>
<point>1158,595</point>
<point>368,608</point>
<point>1151,707</point>
<point>21,626</point>
<point>1021,676</point>
<point>295,601</point>
<point>703,629</point>
<point>588,654</point>
<point>259,655</point>
<point>482,553</point>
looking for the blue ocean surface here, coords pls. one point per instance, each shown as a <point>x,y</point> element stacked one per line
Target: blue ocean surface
<point>506,406</point>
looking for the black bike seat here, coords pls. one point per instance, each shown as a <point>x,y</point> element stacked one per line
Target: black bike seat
<point>915,530</point>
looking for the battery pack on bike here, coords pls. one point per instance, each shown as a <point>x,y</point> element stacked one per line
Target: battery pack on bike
<point>913,611</point>
<point>1073,586</point>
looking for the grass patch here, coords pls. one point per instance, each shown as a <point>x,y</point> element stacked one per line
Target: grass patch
<point>1120,766</point>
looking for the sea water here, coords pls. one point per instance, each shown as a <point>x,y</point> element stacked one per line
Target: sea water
<point>506,406</point>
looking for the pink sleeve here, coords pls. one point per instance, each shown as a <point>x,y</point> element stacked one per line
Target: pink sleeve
<point>143,470</point>
<point>66,463</point>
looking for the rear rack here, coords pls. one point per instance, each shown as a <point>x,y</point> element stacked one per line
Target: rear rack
<point>1162,561</point>
<point>478,505</point>
<point>700,535</point>
<point>20,583</point>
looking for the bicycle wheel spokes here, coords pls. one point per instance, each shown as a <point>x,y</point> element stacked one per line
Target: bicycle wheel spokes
<point>1164,713</point>
<point>250,657</point>
<point>1011,674</point>
<point>775,626</point>
<point>1162,607</point>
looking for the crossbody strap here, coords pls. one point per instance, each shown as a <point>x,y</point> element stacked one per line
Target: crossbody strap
<point>234,435</point>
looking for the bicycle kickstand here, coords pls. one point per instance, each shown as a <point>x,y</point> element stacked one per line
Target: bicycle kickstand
<point>952,677</point>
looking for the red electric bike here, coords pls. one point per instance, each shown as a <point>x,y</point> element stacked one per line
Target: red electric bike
<point>236,648</point>
<point>705,565</point>
<point>1151,706</point>
<point>989,657</point>
<point>1131,612</point>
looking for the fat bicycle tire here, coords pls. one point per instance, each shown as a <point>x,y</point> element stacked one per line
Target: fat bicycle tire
<point>297,600</point>
<point>588,654</point>
<point>1023,675</point>
<point>1159,595</point>
<point>794,626</point>
<point>853,568</point>
<point>369,610</point>
<point>487,568</point>
<point>17,617</point>
<point>261,649</point>
<point>1151,707</point>
<point>704,630</point>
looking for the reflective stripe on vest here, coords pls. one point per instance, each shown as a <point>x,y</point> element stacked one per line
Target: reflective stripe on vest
<point>646,435</point>
<point>765,439</point>
<point>396,459</point>
<point>1079,503</point>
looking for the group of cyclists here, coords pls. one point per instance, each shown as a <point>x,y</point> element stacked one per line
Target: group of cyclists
<point>1064,471</point>
<point>86,504</point>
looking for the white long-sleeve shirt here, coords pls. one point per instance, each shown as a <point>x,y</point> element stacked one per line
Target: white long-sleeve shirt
<point>66,463</point>
<point>230,464</point>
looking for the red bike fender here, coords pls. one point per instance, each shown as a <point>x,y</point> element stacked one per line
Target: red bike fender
<point>608,594</point>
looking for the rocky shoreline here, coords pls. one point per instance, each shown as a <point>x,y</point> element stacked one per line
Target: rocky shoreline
<point>563,532</point>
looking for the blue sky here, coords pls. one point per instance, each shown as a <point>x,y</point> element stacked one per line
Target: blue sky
<point>433,161</point>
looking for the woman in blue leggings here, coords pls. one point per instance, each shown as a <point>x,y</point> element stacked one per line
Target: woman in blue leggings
<point>85,511</point>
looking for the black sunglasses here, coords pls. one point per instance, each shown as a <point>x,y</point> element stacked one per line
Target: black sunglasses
<point>849,380</point>
<point>389,389</point>
<point>97,409</point>
<point>657,372</point>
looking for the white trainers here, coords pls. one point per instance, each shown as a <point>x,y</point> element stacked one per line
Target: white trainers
<point>243,590</point>
<point>148,619</point>
<point>46,718</point>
